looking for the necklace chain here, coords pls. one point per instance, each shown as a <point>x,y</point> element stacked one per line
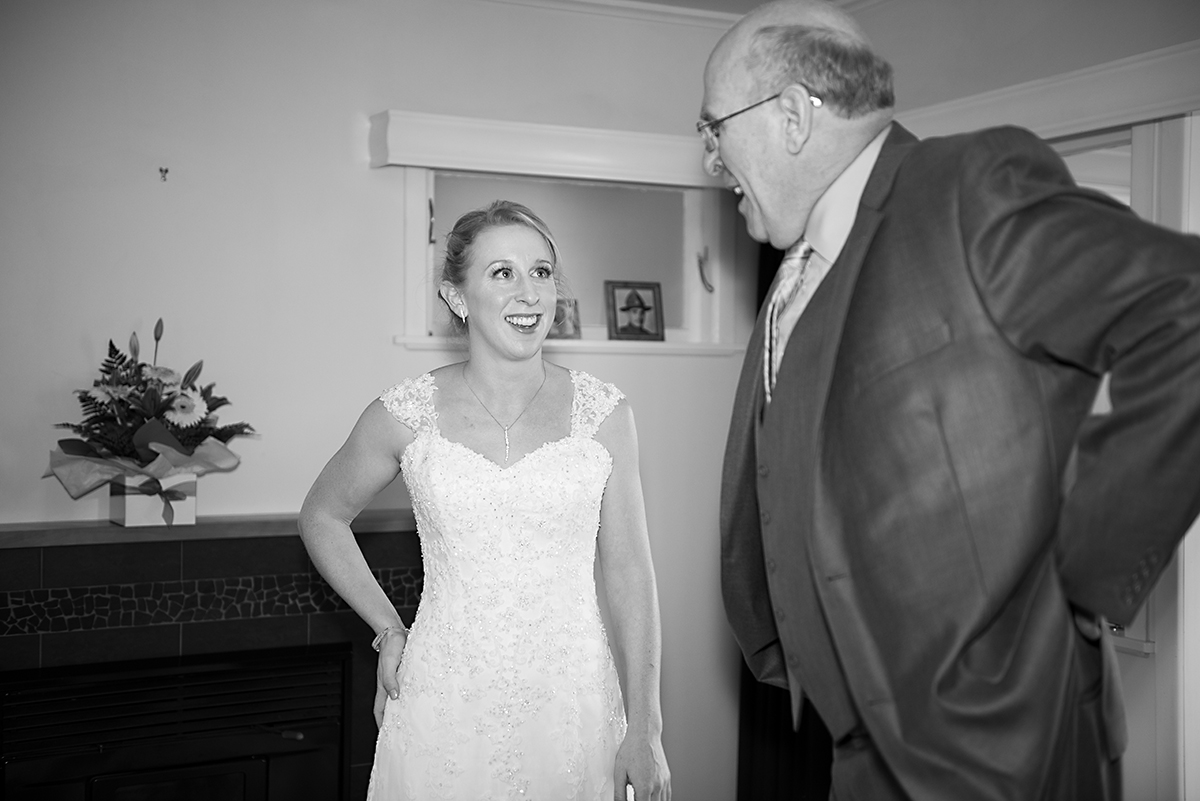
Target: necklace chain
<point>505,428</point>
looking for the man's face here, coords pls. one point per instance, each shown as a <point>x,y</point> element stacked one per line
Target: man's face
<point>747,151</point>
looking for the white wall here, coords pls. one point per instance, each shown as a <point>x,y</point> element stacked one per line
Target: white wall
<point>272,249</point>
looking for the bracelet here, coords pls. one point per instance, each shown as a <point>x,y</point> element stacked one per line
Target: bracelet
<point>378,641</point>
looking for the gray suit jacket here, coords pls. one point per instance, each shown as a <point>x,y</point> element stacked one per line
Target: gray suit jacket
<point>909,527</point>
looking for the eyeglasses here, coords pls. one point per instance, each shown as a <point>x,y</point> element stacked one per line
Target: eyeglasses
<point>710,130</point>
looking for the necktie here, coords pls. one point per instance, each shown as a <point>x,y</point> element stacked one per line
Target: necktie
<point>792,273</point>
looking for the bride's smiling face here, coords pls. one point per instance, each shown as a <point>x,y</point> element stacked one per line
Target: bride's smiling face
<point>509,291</point>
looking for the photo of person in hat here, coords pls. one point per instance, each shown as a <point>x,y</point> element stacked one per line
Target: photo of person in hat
<point>636,308</point>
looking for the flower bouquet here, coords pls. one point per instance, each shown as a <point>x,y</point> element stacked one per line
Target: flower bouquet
<point>146,431</point>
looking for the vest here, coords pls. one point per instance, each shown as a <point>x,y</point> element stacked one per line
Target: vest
<point>787,447</point>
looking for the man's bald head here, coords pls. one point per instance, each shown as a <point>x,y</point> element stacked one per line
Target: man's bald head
<point>810,42</point>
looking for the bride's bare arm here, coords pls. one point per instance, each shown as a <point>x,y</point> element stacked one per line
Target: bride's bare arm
<point>633,605</point>
<point>367,462</point>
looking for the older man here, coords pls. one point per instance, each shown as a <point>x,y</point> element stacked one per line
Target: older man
<point>923,531</point>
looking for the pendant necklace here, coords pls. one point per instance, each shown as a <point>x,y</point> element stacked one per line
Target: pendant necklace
<point>489,411</point>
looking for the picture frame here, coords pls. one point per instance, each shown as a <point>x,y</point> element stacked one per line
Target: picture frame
<point>566,320</point>
<point>634,310</point>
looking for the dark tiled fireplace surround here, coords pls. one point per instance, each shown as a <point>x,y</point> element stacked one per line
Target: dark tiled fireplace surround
<point>83,594</point>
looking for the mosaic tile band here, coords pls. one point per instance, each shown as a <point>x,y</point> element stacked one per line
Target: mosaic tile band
<point>195,600</point>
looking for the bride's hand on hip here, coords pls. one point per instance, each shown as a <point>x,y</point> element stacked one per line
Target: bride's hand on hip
<point>386,683</point>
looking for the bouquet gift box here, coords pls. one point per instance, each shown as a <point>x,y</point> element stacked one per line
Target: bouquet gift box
<point>148,433</point>
<point>148,501</point>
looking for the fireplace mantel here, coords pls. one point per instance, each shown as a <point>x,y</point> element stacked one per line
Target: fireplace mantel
<point>236,584</point>
<point>97,532</point>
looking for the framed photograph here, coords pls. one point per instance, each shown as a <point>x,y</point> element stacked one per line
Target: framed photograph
<point>634,309</point>
<point>566,320</point>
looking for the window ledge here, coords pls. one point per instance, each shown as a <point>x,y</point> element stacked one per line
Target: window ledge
<point>618,347</point>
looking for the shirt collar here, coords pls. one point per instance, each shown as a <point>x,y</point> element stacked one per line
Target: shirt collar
<point>833,216</point>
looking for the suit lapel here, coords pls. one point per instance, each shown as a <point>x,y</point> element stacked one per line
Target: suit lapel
<point>831,302</point>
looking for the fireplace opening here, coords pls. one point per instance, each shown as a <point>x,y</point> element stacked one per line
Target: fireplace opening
<point>269,725</point>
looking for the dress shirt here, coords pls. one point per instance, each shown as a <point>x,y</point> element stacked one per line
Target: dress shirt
<point>788,283</point>
<point>828,229</point>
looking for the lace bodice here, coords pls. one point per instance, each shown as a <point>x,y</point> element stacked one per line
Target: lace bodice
<point>507,655</point>
<point>411,402</point>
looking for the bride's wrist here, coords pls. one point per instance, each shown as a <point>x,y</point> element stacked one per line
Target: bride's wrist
<point>377,643</point>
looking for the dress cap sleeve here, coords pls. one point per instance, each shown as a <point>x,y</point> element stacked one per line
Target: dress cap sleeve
<point>594,402</point>
<point>411,402</point>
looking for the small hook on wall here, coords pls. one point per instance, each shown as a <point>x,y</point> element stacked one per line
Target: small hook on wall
<point>702,264</point>
<point>162,173</point>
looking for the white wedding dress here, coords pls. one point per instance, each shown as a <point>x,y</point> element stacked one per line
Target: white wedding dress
<point>507,685</point>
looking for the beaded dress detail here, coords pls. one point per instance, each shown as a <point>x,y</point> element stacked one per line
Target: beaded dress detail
<point>507,685</point>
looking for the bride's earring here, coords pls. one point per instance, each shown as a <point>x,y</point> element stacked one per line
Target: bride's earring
<point>462,313</point>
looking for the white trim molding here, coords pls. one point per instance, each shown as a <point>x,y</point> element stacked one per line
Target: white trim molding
<point>1160,83</point>
<point>641,12</point>
<point>435,141</point>
<point>661,12</point>
<point>1189,551</point>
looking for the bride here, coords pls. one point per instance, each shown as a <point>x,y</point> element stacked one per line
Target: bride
<point>522,474</point>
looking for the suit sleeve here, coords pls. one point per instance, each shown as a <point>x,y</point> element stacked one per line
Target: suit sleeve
<point>1079,282</point>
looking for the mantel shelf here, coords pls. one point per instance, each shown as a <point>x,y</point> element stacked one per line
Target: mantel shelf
<point>99,532</point>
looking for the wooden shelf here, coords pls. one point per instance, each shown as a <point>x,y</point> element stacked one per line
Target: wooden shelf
<point>621,347</point>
